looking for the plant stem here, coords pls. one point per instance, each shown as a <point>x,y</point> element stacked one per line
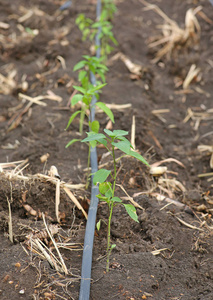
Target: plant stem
<point>88,170</point>
<point>81,121</point>
<point>109,235</point>
<point>115,171</point>
<point>111,206</point>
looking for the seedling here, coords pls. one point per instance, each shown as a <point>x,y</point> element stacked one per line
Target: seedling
<point>84,25</point>
<point>106,35</point>
<point>112,139</point>
<point>87,90</point>
<point>109,8</point>
<point>90,64</point>
<point>85,97</point>
<point>86,93</point>
<point>89,29</point>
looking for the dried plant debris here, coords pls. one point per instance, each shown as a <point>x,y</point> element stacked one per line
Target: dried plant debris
<point>173,36</point>
<point>137,71</point>
<point>162,183</point>
<point>192,74</point>
<point>209,150</point>
<point>25,107</point>
<point>36,245</point>
<point>42,234</point>
<point>197,117</point>
<point>132,67</point>
<point>14,170</point>
<point>8,82</point>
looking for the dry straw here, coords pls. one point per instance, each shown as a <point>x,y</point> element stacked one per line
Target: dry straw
<point>173,36</point>
<point>209,150</point>
<point>16,173</point>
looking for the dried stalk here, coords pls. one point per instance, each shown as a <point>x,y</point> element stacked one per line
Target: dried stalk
<point>55,245</point>
<point>173,35</point>
<point>57,200</point>
<point>10,225</point>
<point>75,201</point>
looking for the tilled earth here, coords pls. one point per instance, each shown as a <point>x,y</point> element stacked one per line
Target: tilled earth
<point>169,253</point>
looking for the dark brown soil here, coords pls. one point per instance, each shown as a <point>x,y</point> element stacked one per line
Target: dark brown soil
<point>183,269</point>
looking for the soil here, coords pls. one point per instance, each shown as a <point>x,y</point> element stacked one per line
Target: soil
<point>33,63</point>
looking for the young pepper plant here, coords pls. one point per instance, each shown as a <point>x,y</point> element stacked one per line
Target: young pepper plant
<point>106,35</point>
<point>87,91</point>
<point>89,29</point>
<point>85,94</point>
<point>109,8</point>
<point>111,140</point>
<point>91,64</point>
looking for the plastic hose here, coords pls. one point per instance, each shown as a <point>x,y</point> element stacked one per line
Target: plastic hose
<point>91,221</point>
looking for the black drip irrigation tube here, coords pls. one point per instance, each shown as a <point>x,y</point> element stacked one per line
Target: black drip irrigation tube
<point>91,221</point>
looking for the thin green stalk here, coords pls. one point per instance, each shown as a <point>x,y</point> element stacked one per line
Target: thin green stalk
<point>109,235</point>
<point>111,206</point>
<point>115,171</point>
<point>88,169</point>
<point>81,120</point>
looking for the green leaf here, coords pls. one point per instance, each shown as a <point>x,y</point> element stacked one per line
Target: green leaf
<point>79,88</point>
<point>118,133</point>
<point>79,65</point>
<point>102,198</point>
<point>86,99</point>
<point>102,141</point>
<point>82,74</point>
<point>73,117</point>
<point>139,157</point>
<point>109,132</point>
<point>98,225</point>
<point>86,32</point>
<point>123,146</point>
<point>96,25</point>
<point>93,136</point>
<point>95,125</point>
<point>76,98</point>
<point>131,210</point>
<point>93,144</point>
<point>116,199</point>
<point>72,142</point>
<point>100,176</point>
<point>86,57</point>
<point>104,187</point>
<point>92,68</point>
<point>113,246</point>
<point>84,81</point>
<point>114,40</point>
<point>96,88</point>
<point>29,30</point>
<point>109,194</point>
<point>101,74</point>
<point>106,109</point>
<point>123,139</point>
<point>102,66</point>
<point>126,148</point>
